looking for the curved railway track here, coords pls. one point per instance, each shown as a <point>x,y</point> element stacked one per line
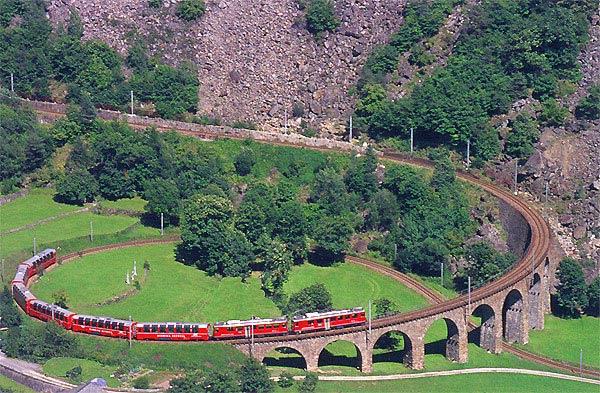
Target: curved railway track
<point>533,257</point>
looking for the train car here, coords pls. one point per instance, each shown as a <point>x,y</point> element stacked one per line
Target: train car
<point>50,312</point>
<point>22,296</point>
<point>45,259</point>
<point>29,268</point>
<point>103,326</point>
<point>172,331</point>
<point>328,320</point>
<point>245,329</point>
<point>22,275</point>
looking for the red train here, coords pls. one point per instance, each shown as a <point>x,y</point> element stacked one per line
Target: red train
<point>167,331</point>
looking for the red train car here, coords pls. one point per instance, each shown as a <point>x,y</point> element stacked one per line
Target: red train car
<point>245,329</point>
<point>22,275</point>
<point>103,326</point>
<point>50,312</point>
<point>45,259</point>
<point>172,331</point>
<point>22,296</point>
<point>328,320</point>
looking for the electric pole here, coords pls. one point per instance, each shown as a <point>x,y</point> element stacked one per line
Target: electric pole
<point>469,292</point>
<point>91,232</point>
<point>12,82</point>
<point>468,153</point>
<point>132,102</point>
<point>285,120</point>
<point>162,224</point>
<point>442,273</point>
<point>34,247</point>
<point>370,318</point>
<point>516,173</point>
<point>350,136</point>
<point>411,140</point>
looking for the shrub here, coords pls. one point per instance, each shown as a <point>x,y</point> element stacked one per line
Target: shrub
<point>76,187</point>
<point>155,3</point>
<point>191,9</point>
<point>521,139</point>
<point>244,161</point>
<point>244,124</point>
<point>141,383</point>
<point>589,107</point>
<point>320,16</point>
<point>309,385</point>
<point>571,296</point>
<point>285,380</point>
<point>74,373</point>
<point>553,113</point>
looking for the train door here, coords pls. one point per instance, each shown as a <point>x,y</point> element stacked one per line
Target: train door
<point>327,324</point>
<point>247,331</point>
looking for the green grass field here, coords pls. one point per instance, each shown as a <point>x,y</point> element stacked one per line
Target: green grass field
<point>562,339</point>
<point>173,291</point>
<point>135,204</point>
<point>35,206</point>
<point>500,383</point>
<point>8,385</point>
<point>69,227</point>
<point>58,367</point>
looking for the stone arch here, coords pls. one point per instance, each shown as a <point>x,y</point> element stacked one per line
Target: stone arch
<point>325,358</point>
<point>513,317</point>
<point>454,346</point>
<point>536,314</point>
<point>405,355</point>
<point>283,360</point>
<point>485,335</point>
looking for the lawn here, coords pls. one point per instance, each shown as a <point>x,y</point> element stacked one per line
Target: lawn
<point>8,385</point>
<point>135,204</point>
<point>69,227</point>
<point>190,295</point>
<point>562,339</point>
<point>58,367</point>
<point>474,383</point>
<point>35,206</point>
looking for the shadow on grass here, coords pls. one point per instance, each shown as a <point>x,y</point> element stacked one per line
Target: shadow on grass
<point>285,357</point>
<point>329,359</point>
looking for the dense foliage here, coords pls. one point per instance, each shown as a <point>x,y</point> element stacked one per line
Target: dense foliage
<point>571,291</point>
<point>589,107</point>
<point>508,50</point>
<point>190,9</point>
<point>37,342</point>
<point>320,16</point>
<point>484,264</point>
<point>46,62</point>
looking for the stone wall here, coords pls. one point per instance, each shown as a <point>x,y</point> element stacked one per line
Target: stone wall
<point>4,199</point>
<point>35,384</point>
<point>255,59</point>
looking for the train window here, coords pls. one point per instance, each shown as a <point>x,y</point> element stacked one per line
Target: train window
<point>186,328</point>
<point>121,326</point>
<point>178,329</point>
<point>146,328</point>
<point>171,329</point>
<point>194,329</point>
<point>163,328</point>
<point>154,328</point>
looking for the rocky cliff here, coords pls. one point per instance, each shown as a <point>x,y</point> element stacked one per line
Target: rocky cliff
<point>255,59</point>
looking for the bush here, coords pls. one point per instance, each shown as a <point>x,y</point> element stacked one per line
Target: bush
<point>553,113</point>
<point>309,385</point>
<point>593,294</point>
<point>190,9</point>
<point>76,187</point>
<point>571,296</point>
<point>141,383</point>
<point>244,161</point>
<point>285,380</point>
<point>155,3</point>
<point>589,107</point>
<point>523,136</point>
<point>320,16</point>
<point>74,373</point>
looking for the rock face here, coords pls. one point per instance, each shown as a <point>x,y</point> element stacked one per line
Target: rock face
<point>256,60</point>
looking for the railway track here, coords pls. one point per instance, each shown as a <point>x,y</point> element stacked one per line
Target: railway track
<point>534,255</point>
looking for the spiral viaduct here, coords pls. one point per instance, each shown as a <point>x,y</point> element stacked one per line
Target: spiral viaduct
<point>509,306</point>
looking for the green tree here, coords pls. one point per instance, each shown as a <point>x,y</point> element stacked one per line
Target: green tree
<point>285,380</point>
<point>74,374</point>
<point>553,113</point>
<point>277,262</point>
<point>209,239</point>
<point>220,382</point>
<point>589,107</point>
<point>141,382</point>
<point>484,264</point>
<point>163,197</point>
<point>60,298</point>
<point>571,296</point>
<point>384,306</point>
<point>187,384</point>
<point>244,161</point>
<point>332,235</point>
<point>330,192</point>
<point>309,385</point>
<point>155,3</point>
<point>360,177</point>
<point>190,9</point>
<point>320,16</point>
<point>593,295</point>
<point>254,378</point>
<point>382,211</point>
<point>76,187</point>
<point>310,299</point>
<point>444,174</point>
<point>9,315</point>
<point>291,227</point>
<point>524,133</point>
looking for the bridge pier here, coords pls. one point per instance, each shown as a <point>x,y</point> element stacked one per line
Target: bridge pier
<point>415,356</point>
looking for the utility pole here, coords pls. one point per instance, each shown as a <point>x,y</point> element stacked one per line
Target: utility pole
<point>285,120</point>
<point>581,362</point>
<point>162,224</point>
<point>516,173</point>
<point>2,269</point>
<point>370,318</point>
<point>442,273</point>
<point>91,232</point>
<point>468,153</point>
<point>469,292</point>
<point>12,82</point>
<point>252,337</point>
<point>132,102</point>
<point>546,190</point>
<point>395,251</point>
<point>411,140</point>
<point>350,136</point>
<point>34,247</point>
<point>130,326</point>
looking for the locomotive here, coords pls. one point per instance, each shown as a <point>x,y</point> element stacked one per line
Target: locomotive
<point>168,331</point>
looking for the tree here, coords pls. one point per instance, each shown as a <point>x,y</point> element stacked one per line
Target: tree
<point>187,384</point>
<point>190,10</point>
<point>210,240</point>
<point>320,16</point>
<point>571,297</point>
<point>310,299</point>
<point>244,161</point>
<point>76,187</point>
<point>484,263</point>
<point>309,385</point>
<point>220,382</point>
<point>384,306</point>
<point>277,264</point>
<point>9,315</point>
<point>285,380</point>
<point>60,298</point>
<point>589,107</point>
<point>331,236</point>
<point>291,227</point>
<point>382,211</point>
<point>254,378</point>
<point>444,174</point>
<point>141,383</point>
<point>330,192</point>
<point>524,133</point>
<point>593,295</point>
<point>424,257</point>
<point>360,177</point>
<point>553,113</point>
<point>163,197</point>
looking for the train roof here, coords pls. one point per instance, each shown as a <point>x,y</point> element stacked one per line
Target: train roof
<point>105,319</point>
<point>24,290</point>
<point>201,324</point>
<point>334,313</point>
<point>47,251</point>
<point>249,322</point>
